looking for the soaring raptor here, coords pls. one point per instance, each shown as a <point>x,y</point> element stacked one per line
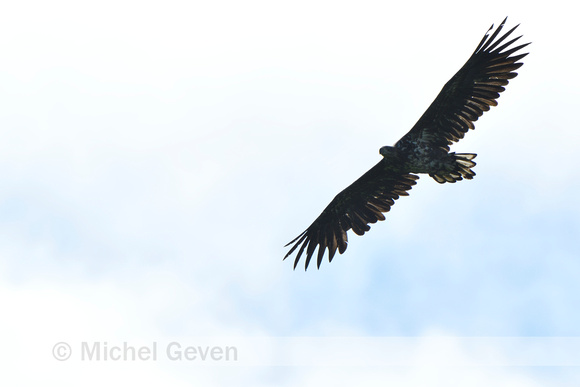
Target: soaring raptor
<point>425,149</point>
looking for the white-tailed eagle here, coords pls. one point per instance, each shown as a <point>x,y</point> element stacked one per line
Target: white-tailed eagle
<point>424,149</point>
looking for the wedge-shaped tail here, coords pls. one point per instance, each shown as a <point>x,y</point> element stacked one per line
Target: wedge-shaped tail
<point>458,168</point>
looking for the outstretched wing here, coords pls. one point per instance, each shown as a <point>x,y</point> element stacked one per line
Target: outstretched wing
<point>470,92</point>
<point>361,203</point>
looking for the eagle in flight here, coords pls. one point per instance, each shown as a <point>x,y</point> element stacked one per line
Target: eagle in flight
<point>424,149</point>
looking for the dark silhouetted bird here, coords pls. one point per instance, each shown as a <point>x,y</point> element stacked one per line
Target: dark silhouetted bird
<point>424,149</point>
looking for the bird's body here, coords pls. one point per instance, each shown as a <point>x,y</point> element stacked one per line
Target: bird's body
<point>424,149</point>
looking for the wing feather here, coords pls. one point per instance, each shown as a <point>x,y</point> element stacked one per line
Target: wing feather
<point>470,92</point>
<point>360,204</point>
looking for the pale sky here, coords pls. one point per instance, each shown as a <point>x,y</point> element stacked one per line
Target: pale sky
<point>156,157</point>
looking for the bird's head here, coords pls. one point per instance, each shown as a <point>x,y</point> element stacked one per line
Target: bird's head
<point>389,152</point>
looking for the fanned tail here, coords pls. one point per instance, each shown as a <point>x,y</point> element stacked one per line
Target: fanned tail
<point>458,168</point>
